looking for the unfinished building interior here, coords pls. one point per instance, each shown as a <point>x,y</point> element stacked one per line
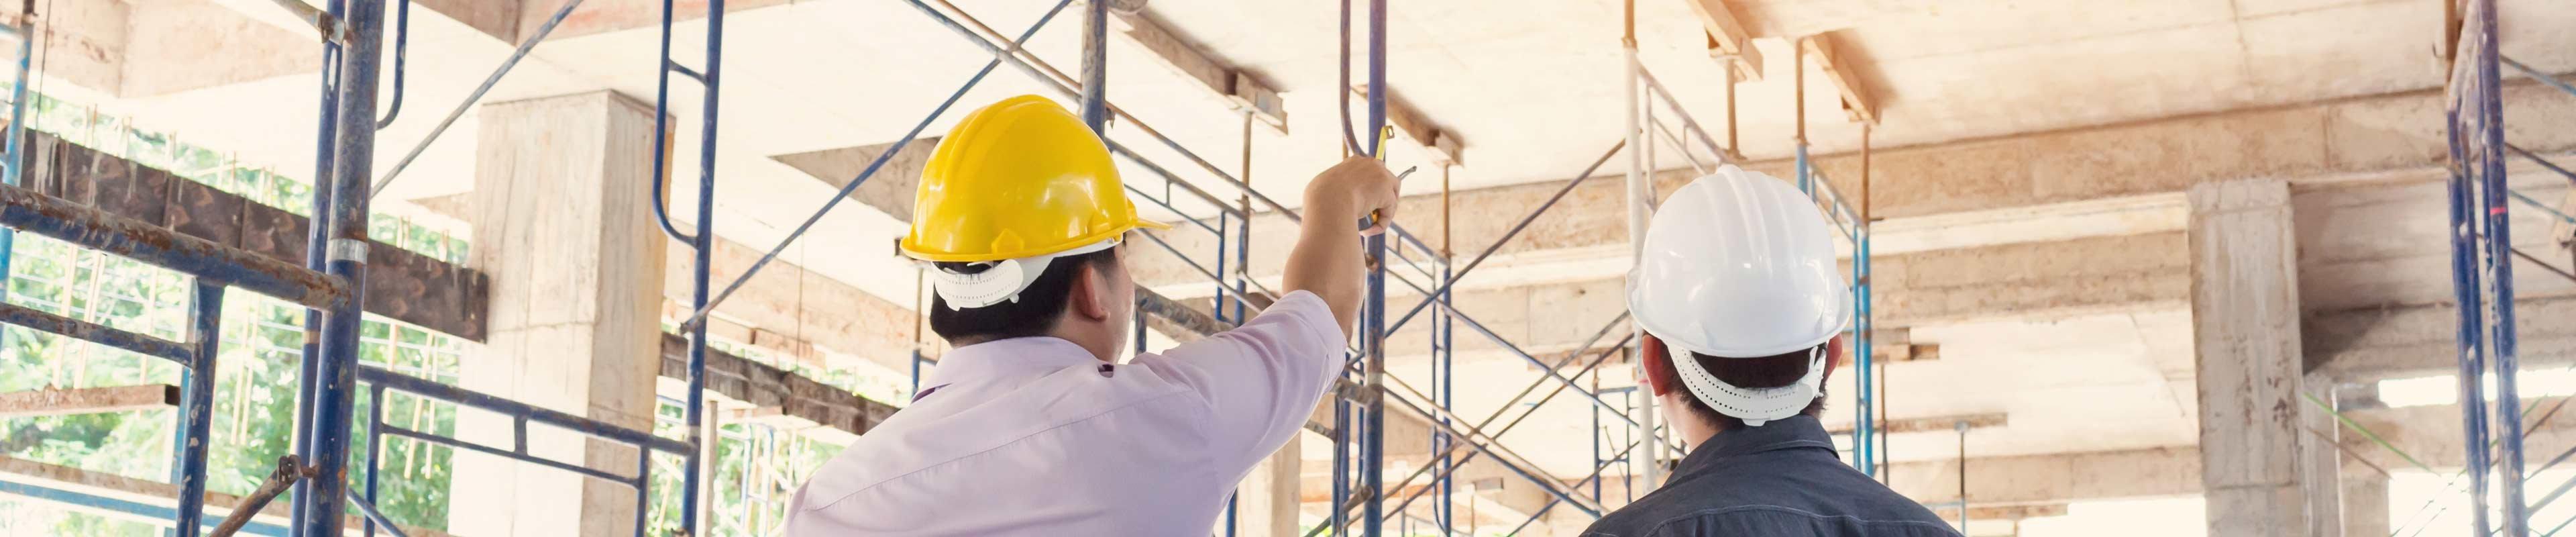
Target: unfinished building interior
<point>2151,268</point>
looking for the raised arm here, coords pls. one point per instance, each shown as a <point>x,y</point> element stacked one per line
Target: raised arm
<point>1326,260</point>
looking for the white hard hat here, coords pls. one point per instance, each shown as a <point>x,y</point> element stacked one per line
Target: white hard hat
<point>1739,264</point>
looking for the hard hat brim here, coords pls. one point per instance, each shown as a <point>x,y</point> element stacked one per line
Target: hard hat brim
<point>913,249</point>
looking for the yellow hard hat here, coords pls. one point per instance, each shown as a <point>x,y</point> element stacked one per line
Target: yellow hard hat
<point>1019,178</point>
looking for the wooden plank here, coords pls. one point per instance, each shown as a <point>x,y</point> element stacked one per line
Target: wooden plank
<point>1445,147</point>
<point>1191,60</point>
<point>1930,424</point>
<point>1857,104</point>
<point>760,385</point>
<point>2002,512</point>
<point>58,402</point>
<point>401,284</point>
<point>1727,39</point>
<point>106,485</point>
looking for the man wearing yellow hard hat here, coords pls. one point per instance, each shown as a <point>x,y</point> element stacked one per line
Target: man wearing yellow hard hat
<point>1029,427</point>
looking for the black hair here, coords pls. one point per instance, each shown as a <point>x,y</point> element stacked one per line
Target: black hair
<point>1036,313</point>
<point>1752,373</point>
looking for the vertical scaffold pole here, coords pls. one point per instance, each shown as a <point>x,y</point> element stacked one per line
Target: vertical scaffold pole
<point>1095,66</point>
<point>196,406</point>
<point>1373,448</point>
<point>693,463</point>
<point>17,132</point>
<point>1650,452</point>
<point>345,257</point>
<point>316,239</point>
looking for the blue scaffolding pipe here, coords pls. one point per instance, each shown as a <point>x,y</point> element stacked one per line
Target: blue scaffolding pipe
<point>1594,479</point>
<point>692,462</point>
<point>139,510</point>
<point>1039,70</point>
<point>1448,472</point>
<point>488,81</point>
<point>518,410</point>
<point>196,406</point>
<point>2545,78</point>
<point>316,239</point>
<point>2498,260</point>
<point>17,162</point>
<point>146,345</point>
<point>346,258</point>
<point>375,518</point>
<point>92,228</point>
<point>1507,237</point>
<point>2465,273</point>
<point>402,56</point>
<point>699,315</point>
<point>375,449</point>
<point>1515,350</point>
<point>520,454</point>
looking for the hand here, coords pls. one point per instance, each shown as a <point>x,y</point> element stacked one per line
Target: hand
<point>1361,184</point>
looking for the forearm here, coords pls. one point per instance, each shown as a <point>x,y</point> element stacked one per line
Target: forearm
<point>1326,260</point>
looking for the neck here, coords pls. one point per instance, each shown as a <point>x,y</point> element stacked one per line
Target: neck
<point>1103,346</point>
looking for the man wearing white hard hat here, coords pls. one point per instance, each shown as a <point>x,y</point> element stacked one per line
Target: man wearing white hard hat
<point>1744,307</point>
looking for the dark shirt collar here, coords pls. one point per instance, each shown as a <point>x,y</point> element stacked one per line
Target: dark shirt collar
<point>1793,432</point>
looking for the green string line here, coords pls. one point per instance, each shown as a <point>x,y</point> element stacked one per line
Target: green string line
<point>2365,432</point>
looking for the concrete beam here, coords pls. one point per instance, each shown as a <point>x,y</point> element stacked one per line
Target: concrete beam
<point>86,41</point>
<point>58,402</point>
<point>181,45</point>
<point>2431,434</point>
<point>1727,39</point>
<point>2413,341</point>
<point>1192,60</point>
<point>890,190</point>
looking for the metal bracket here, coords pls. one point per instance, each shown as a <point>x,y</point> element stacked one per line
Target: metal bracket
<point>351,250</point>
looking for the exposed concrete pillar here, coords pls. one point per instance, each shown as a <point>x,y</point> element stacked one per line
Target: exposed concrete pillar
<point>2365,505</point>
<point>2260,468</point>
<point>1266,501</point>
<point>563,224</point>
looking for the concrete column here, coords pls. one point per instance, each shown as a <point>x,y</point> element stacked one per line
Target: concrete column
<point>2260,468</point>
<point>1266,500</point>
<point>2365,505</point>
<point>563,224</point>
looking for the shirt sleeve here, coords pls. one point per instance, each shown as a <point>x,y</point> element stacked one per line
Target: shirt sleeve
<point>1263,379</point>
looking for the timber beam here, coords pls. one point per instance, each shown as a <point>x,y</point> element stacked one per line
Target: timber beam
<point>1727,39</point>
<point>1194,61</point>
<point>1858,106</point>
<point>57,402</point>
<point>401,285</point>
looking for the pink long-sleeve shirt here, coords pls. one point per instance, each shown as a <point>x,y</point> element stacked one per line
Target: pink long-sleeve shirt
<point>1034,436</point>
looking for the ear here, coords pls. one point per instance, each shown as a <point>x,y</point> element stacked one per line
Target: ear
<point>1088,295</point>
<point>1833,357</point>
<point>1660,375</point>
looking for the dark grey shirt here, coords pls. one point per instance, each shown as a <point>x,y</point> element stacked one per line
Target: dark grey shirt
<point>1780,479</point>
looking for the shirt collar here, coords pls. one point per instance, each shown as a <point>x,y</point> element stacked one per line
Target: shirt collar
<point>1801,431</point>
<point>1006,358</point>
